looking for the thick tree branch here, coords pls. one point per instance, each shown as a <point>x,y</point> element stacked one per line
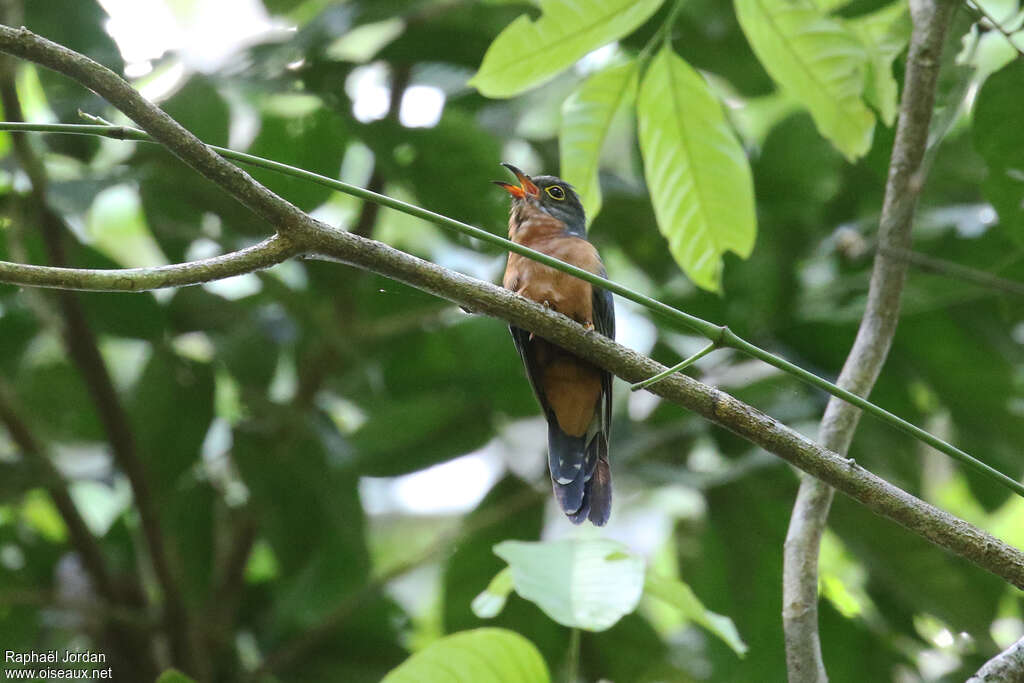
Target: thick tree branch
<point>881,497</point>
<point>720,335</point>
<point>165,130</point>
<point>1005,667</point>
<point>874,338</point>
<point>316,237</point>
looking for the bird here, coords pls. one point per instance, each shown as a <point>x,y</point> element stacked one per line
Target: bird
<point>575,395</point>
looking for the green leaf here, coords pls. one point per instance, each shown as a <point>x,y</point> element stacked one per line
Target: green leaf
<point>168,428</point>
<point>511,510</point>
<point>308,506</point>
<point>829,6</point>
<point>681,596</point>
<point>200,108</point>
<point>117,225</point>
<point>992,125</point>
<point>587,115</point>
<point>79,26</point>
<point>698,175</point>
<point>56,402</point>
<point>435,426</point>
<point>1000,140</point>
<point>528,53</point>
<point>484,655</point>
<point>174,676</point>
<point>819,60</point>
<point>588,584</point>
<point>759,115</point>
<point>314,141</point>
<point>39,511</point>
<point>884,33</point>
<point>493,598</point>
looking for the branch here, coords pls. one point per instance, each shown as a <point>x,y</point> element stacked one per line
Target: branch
<point>944,268</point>
<point>980,10</point>
<point>165,130</point>
<point>120,635</point>
<point>1005,667</point>
<point>937,526</point>
<point>81,538</point>
<point>720,335</point>
<point>876,494</point>
<point>82,348</point>
<point>871,346</point>
<point>269,252</point>
<point>400,77</point>
<point>87,609</point>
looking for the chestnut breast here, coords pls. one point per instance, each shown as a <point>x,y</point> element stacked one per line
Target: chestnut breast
<point>566,294</point>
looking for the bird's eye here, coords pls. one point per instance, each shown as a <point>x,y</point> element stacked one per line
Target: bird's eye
<point>555,192</point>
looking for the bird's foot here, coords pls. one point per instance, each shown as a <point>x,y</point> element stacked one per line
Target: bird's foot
<point>588,326</point>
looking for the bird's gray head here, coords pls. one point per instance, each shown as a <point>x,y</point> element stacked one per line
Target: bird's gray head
<point>551,195</point>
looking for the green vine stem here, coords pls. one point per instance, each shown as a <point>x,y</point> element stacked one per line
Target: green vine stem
<point>675,368</point>
<point>720,335</point>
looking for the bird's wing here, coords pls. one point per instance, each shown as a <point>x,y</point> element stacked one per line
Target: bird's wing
<point>521,339</point>
<point>604,322</point>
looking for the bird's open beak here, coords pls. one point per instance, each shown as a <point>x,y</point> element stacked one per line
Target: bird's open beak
<point>526,187</point>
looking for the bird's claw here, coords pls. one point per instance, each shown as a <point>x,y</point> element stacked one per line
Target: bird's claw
<point>588,326</point>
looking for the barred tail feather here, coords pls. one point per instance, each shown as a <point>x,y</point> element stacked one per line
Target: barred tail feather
<point>566,457</point>
<point>588,493</point>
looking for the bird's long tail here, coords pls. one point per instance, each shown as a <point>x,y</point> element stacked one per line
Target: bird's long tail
<point>580,475</point>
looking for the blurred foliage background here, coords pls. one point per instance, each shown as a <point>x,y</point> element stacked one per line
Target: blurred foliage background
<point>311,429</point>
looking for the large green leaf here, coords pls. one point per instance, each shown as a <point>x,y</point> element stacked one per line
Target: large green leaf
<point>587,115</point>
<point>698,175</point>
<point>587,584</point>
<point>528,53</point>
<point>819,60</point>
<point>484,655</point>
<point>885,33</point>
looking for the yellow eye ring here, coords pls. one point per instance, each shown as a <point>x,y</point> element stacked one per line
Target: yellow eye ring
<point>555,192</point>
